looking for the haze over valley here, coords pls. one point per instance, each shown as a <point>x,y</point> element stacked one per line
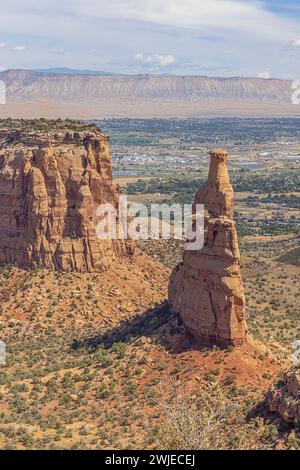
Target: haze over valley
<point>88,95</point>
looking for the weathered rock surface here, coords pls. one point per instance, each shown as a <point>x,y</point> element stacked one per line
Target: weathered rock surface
<point>50,187</point>
<point>207,288</point>
<point>284,397</point>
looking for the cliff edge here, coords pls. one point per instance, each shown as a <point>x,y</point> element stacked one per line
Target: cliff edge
<point>51,184</point>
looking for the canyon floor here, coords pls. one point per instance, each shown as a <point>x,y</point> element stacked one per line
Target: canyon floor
<point>97,362</point>
<point>139,109</point>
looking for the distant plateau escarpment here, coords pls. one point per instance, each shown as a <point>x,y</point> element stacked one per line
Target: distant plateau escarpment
<point>50,94</point>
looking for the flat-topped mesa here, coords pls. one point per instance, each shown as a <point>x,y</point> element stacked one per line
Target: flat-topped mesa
<point>207,288</point>
<point>50,188</point>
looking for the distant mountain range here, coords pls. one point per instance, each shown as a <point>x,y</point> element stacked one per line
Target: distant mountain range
<point>66,71</point>
<point>57,87</point>
<point>85,85</point>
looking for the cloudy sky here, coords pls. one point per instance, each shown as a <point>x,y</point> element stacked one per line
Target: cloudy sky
<point>207,37</point>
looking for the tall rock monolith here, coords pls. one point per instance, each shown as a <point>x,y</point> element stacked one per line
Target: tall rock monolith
<point>206,288</point>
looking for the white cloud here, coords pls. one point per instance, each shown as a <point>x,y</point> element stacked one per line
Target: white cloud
<point>250,16</point>
<point>58,51</point>
<point>5,45</point>
<point>162,60</point>
<point>19,48</point>
<point>236,15</point>
<point>296,43</point>
<point>239,37</point>
<point>139,56</point>
<point>265,75</point>
<point>156,59</point>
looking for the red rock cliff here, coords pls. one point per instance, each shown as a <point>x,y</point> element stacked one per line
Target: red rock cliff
<point>50,187</point>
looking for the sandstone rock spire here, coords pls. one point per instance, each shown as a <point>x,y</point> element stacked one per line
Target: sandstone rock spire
<point>207,288</point>
<point>217,193</point>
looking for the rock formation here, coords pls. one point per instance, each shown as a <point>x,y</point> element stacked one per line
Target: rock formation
<point>284,397</point>
<point>207,288</point>
<point>50,186</point>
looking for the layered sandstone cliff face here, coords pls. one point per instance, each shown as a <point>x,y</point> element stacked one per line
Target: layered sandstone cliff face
<point>207,288</point>
<point>50,187</point>
<point>284,397</point>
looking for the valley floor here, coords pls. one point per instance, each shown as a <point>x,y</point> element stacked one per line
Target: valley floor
<point>98,361</point>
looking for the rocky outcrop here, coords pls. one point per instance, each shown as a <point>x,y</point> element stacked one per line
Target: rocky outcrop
<point>284,397</point>
<point>207,288</point>
<point>50,187</point>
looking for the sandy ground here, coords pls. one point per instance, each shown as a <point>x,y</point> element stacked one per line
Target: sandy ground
<point>146,109</point>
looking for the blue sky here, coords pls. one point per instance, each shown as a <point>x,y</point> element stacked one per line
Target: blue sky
<point>207,37</point>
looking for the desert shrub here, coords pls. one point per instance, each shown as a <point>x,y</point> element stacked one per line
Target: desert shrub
<point>194,424</point>
<point>120,349</point>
